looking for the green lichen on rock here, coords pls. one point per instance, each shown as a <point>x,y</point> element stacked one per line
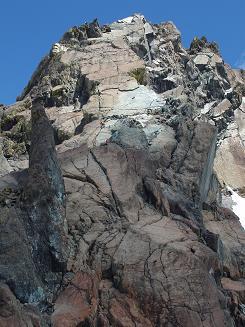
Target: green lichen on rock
<point>13,149</point>
<point>139,74</point>
<point>7,122</point>
<point>21,132</point>
<point>16,130</point>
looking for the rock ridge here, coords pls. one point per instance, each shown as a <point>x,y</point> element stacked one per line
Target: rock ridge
<point>116,163</point>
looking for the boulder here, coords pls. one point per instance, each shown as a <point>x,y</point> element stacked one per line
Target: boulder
<point>222,108</point>
<point>201,60</point>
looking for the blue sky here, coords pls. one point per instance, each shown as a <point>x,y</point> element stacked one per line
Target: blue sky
<point>29,28</point>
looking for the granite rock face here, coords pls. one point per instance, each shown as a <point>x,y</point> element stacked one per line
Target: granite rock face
<point>114,160</point>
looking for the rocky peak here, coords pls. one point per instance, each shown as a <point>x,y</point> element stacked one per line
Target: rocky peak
<point>116,163</point>
<point>202,45</point>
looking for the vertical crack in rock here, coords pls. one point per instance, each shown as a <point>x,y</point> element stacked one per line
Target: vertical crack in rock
<point>208,170</point>
<point>114,197</point>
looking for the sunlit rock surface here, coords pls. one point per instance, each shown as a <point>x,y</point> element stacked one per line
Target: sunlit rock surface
<point>122,184</point>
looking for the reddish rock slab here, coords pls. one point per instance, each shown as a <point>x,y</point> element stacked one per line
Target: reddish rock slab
<point>77,302</point>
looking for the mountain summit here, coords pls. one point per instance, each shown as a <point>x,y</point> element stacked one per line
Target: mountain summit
<point>121,164</point>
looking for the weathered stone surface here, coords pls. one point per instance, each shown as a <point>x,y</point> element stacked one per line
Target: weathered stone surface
<point>240,119</point>
<point>222,108</point>
<point>231,285</point>
<point>229,163</point>
<point>33,226</point>
<point>124,226</point>
<point>44,195</point>
<point>226,224</point>
<point>13,313</point>
<point>201,60</point>
<point>152,231</point>
<point>5,167</point>
<point>17,268</point>
<point>77,303</point>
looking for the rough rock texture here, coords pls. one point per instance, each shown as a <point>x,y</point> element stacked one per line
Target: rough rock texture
<point>113,164</point>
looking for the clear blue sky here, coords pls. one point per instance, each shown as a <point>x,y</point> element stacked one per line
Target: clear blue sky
<point>29,28</point>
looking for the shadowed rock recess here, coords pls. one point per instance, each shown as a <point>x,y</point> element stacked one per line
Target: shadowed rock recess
<point>116,165</point>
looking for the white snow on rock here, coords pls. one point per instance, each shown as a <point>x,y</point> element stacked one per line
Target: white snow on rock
<point>57,47</point>
<point>207,107</point>
<point>127,20</point>
<point>228,91</point>
<point>148,29</point>
<point>243,103</point>
<point>132,19</point>
<point>238,206</point>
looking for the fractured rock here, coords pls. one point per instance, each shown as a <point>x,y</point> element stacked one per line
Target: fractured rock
<point>118,220</point>
<point>222,108</point>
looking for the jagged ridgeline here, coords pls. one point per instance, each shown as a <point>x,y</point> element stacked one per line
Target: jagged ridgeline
<point>122,183</point>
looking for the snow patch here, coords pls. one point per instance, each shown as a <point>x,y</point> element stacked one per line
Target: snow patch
<point>57,48</point>
<point>207,107</point>
<point>228,91</point>
<point>238,206</point>
<point>132,19</point>
<point>127,20</point>
<point>243,104</point>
